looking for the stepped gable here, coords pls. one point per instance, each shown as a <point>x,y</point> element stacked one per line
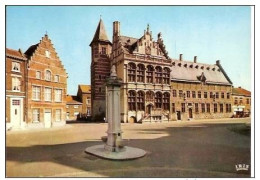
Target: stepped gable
<point>198,72</point>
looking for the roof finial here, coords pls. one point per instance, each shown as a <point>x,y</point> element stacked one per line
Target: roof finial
<point>46,33</point>
<point>100,16</point>
<point>148,27</point>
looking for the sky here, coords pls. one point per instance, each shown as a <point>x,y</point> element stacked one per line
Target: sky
<point>209,32</point>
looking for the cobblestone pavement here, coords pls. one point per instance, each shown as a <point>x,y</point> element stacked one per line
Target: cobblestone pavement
<point>199,148</point>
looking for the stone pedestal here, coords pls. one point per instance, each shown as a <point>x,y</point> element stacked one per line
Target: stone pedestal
<point>114,147</point>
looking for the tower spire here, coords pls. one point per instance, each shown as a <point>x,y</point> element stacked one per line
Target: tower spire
<point>100,34</point>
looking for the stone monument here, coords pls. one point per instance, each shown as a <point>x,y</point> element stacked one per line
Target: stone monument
<point>114,147</point>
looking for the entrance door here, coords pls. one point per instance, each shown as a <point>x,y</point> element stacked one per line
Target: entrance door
<point>16,114</point>
<point>178,115</point>
<point>190,113</point>
<point>47,118</point>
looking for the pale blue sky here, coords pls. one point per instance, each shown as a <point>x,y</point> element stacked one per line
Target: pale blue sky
<point>209,32</point>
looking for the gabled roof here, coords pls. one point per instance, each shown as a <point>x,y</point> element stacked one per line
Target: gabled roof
<point>192,72</point>
<point>241,91</point>
<point>15,54</point>
<point>73,100</point>
<point>100,34</point>
<point>31,50</point>
<point>85,88</point>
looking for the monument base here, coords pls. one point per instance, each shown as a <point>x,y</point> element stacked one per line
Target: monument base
<point>128,153</point>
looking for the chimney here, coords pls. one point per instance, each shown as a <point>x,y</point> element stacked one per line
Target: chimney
<point>195,59</point>
<point>239,87</point>
<point>180,57</point>
<point>116,28</point>
<point>218,62</point>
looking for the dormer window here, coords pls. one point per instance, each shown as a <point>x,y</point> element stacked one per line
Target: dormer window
<point>47,54</point>
<point>213,69</point>
<point>191,66</point>
<point>179,64</point>
<point>196,66</point>
<point>202,67</point>
<point>185,65</point>
<point>16,66</point>
<point>208,68</point>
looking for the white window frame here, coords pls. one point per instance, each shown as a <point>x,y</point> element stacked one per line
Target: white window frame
<point>58,95</point>
<point>88,101</point>
<point>47,53</point>
<point>58,113</point>
<point>48,94</point>
<point>38,74</point>
<point>76,106</point>
<point>17,65</point>
<point>67,106</point>
<point>16,84</point>
<point>36,93</point>
<point>48,75</point>
<point>56,78</point>
<point>36,115</point>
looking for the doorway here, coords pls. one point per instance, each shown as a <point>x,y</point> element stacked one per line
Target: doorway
<point>190,113</point>
<point>47,118</point>
<point>16,112</point>
<point>178,115</point>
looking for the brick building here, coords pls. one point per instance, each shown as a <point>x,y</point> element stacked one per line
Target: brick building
<point>155,86</point>
<point>241,102</point>
<point>79,107</point>
<point>36,86</point>
<point>16,64</point>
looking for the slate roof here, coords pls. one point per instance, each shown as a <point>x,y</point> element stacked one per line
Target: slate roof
<point>29,52</point>
<point>128,43</point>
<point>15,54</point>
<point>241,91</point>
<point>192,72</point>
<point>85,88</point>
<point>72,100</point>
<point>100,34</point>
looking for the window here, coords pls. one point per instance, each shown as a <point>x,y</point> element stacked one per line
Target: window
<point>36,93</point>
<point>16,84</point>
<point>222,95</point>
<point>149,96</point>
<point>199,94</point>
<point>188,94</point>
<point>205,95</point>
<point>203,108</point>
<point>158,100</point>
<point>183,107</point>
<point>180,93</point>
<point>215,108</point>
<point>166,75</point>
<point>208,108</point>
<point>235,101</point>
<point>67,106</point>
<point>227,107</point>
<point>48,75</point>
<point>174,94</point>
<point>47,54</point>
<point>140,73</point>
<point>104,50</point>
<point>193,94</point>
<point>131,100</point>
<point>217,95</point>
<point>38,74</point>
<point>196,107</point>
<point>247,101</point>
<point>58,114</point>
<point>76,106</point>
<point>166,101</point>
<point>58,93</point>
<point>131,72</point>
<point>36,115</point>
<point>47,94</point>
<point>211,95</point>
<point>228,95</point>
<point>88,111</point>
<point>56,78</point>
<point>158,75</point>
<point>149,74</point>
<point>16,102</point>
<point>221,108</point>
<point>88,100</point>
<point>16,66</point>
<point>241,101</point>
<point>140,101</point>
<point>173,107</point>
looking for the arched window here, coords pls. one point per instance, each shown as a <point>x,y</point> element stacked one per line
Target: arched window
<point>166,101</point>
<point>140,101</point>
<point>149,96</point>
<point>166,76</point>
<point>48,75</point>
<point>131,100</point>
<point>158,100</point>
<point>140,73</point>
<point>131,72</point>
<point>149,73</point>
<point>158,74</point>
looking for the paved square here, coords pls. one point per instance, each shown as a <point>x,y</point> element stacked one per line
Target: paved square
<point>203,148</point>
